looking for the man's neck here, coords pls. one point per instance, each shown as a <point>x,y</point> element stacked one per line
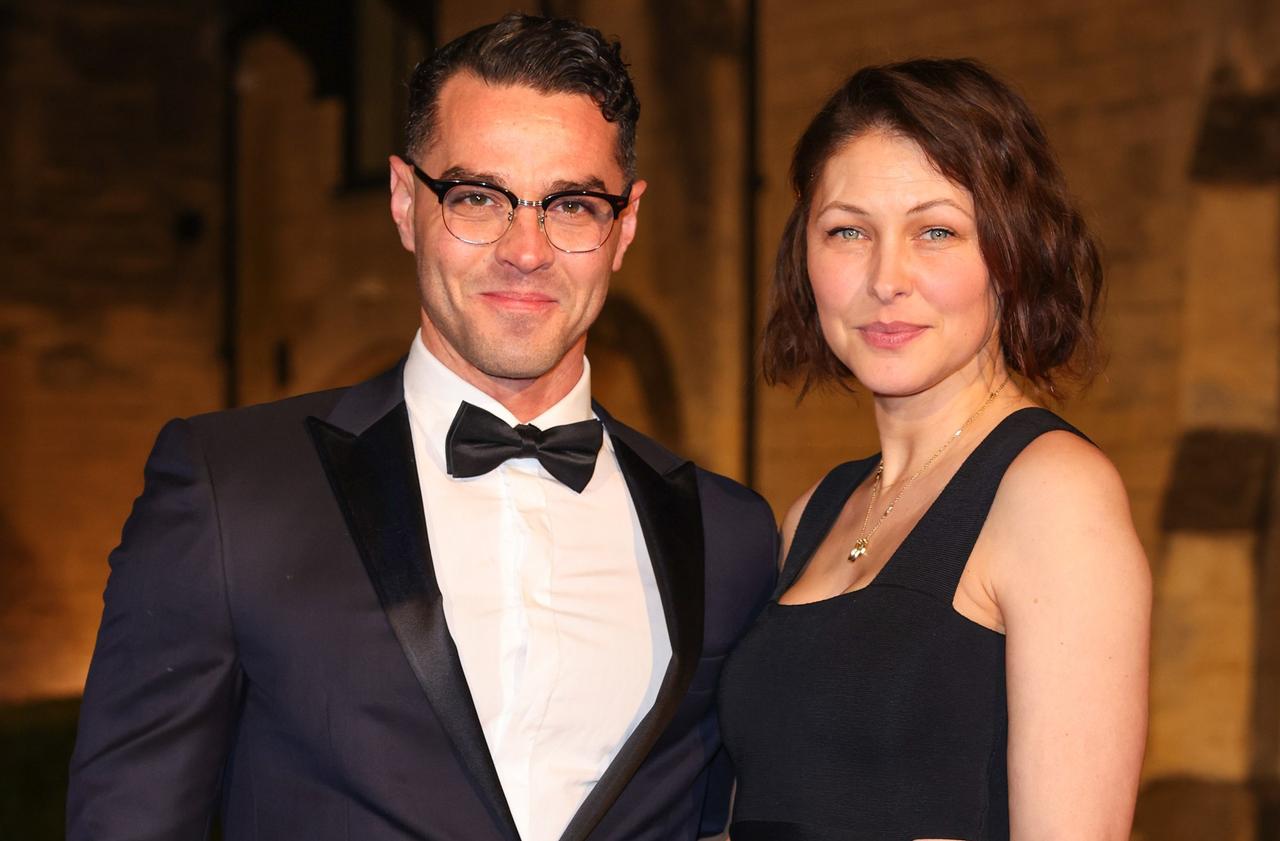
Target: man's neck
<point>526,399</point>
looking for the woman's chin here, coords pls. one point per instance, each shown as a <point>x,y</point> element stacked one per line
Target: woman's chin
<point>891,387</point>
<point>899,381</point>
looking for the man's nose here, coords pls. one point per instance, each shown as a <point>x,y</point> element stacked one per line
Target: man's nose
<point>525,245</point>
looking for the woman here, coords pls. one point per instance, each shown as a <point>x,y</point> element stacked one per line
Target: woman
<point>958,643</point>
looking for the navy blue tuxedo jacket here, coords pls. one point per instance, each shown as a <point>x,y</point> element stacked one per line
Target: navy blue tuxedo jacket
<point>273,646</point>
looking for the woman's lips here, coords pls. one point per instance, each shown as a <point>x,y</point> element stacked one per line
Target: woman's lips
<point>890,334</point>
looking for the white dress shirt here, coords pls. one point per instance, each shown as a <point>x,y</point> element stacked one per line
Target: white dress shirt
<point>549,596</point>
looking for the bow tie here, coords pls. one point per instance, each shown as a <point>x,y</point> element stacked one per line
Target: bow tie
<point>478,441</point>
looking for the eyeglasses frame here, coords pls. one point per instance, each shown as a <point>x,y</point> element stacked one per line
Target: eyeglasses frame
<point>441,186</point>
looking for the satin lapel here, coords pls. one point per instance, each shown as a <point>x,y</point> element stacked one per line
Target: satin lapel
<point>670,516</point>
<point>375,480</point>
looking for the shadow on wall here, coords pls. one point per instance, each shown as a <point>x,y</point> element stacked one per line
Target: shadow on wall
<point>35,747</point>
<point>36,740</point>
<point>1191,809</point>
<point>631,371</point>
<point>1213,758</point>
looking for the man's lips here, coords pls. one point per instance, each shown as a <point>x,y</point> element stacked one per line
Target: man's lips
<point>513,300</point>
<point>890,334</point>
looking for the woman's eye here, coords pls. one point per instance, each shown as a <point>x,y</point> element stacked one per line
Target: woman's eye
<point>846,234</point>
<point>938,234</point>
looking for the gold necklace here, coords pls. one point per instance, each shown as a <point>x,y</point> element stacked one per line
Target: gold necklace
<point>861,545</point>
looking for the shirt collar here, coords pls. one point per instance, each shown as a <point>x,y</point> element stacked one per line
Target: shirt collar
<point>433,394</point>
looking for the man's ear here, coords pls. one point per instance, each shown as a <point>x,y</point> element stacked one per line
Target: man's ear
<point>628,222</point>
<point>403,190</point>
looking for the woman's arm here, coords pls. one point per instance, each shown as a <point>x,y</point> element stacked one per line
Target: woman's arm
<point>1074,591</point>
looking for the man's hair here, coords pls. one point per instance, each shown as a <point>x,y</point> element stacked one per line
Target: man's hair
<point>550,55</point>
<point>1043,262</point>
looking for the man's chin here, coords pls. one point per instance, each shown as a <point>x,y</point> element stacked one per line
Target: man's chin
<point>499,354</point>
<point>516,366</point>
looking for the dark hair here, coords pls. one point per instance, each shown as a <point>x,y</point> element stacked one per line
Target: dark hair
<point>550,55</point>
<point>1044,263</point>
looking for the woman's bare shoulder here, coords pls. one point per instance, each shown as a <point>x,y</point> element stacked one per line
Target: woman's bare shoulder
<point>1063,512</point>
<point>1060,474</point>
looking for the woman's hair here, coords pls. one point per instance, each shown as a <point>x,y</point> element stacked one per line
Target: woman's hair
<point>1043,262</point>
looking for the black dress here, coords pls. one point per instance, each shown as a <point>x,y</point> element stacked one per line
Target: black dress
<point>878,714</point>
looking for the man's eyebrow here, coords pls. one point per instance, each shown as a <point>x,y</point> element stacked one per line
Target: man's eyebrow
<point>591,182</point>
<point>459,173</point>
<point>928,205</point>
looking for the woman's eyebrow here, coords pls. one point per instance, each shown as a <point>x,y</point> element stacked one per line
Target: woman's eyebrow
<point>845,206</point>
<point>928,205</point>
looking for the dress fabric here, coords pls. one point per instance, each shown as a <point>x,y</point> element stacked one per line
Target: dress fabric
<point>878,714</point>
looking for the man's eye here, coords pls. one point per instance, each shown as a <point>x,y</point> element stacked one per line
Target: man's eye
<point>475,199</point>
<point>580,209</point>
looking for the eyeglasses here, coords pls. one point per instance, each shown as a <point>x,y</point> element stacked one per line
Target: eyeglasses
<point>479,213</point>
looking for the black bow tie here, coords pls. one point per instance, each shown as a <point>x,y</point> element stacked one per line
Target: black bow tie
<point>478,441</point>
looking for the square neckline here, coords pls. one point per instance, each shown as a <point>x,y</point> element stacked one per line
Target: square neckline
<point>911,537</point>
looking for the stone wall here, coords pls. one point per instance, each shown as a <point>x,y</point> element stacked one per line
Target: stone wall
<point>109,303</point>
<point>116,265</point>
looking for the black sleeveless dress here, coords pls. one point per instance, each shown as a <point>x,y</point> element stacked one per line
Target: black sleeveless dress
<point>878,714</point>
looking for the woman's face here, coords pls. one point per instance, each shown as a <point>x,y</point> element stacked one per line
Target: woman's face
<point>904,298</point>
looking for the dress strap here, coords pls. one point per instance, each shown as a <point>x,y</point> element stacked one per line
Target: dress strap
<point>933,556</point>
<point>820,515</point>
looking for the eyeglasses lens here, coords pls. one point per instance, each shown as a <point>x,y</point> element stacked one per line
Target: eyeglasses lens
<point>480,216</point>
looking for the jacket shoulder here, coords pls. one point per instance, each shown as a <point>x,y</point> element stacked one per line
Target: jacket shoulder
<point>659,457</point>
<point>263,439</point>
<point>719,487</point>
<point>263,417</point>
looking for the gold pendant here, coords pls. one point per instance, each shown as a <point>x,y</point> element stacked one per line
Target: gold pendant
<point>859,549</point>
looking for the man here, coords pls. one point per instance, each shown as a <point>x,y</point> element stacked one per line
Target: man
<point>458,601</point>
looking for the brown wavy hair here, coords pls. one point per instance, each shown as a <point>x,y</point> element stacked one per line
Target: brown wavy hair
<point>1043,262</point>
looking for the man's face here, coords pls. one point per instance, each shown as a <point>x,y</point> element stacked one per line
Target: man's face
<point>517,308</point>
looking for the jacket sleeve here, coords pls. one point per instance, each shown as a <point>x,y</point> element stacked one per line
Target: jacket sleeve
<point>164,685</point>
<point>715,804</point>
<point>763,572</point>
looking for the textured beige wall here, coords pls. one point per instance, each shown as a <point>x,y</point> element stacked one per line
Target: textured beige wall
<point>108,318</point>
<point>109,323</point>
<point>1231,309</point>
<point>1202,657</point>
<point>321,270</point>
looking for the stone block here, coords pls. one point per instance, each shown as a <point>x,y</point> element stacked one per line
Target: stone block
<point>1190,809</point>
<point>1220,481</point>
<point>1203,660</point>
<point>1231,325</point>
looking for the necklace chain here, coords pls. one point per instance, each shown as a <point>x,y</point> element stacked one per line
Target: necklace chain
<point>863,542</point>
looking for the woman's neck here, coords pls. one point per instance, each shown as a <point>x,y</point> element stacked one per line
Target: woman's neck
<point>913,427</point>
